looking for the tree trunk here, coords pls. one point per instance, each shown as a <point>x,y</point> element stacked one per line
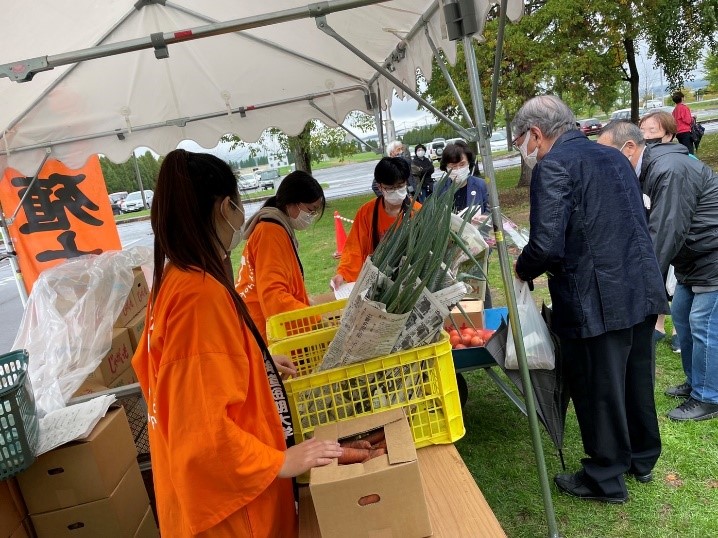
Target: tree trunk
<point>301,149</point>
<point>633,78</point>
<point>525,179</point>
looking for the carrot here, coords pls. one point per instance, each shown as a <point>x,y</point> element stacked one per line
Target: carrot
<point>361,443</point>
<point>374,453</point>
<point>353,455</point>
<point>380,444</point>
<point>375,436</point>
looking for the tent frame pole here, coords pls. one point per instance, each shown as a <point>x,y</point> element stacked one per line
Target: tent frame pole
<point>324,26</point>
<point>12,257</point>
<point>25,70</point>
<point>505,263</point>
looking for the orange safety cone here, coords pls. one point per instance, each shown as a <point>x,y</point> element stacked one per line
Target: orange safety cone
<point>340,234</point>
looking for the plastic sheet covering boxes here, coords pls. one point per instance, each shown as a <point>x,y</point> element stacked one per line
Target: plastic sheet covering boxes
<point>380,497</point>
<point>90,488</point>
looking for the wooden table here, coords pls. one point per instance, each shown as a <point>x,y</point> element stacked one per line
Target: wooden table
<point>457,507</point>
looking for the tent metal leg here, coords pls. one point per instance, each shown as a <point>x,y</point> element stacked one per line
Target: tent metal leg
<point>12,258</point>
<point>447,76</point>
<point>505,262</point>
<point>324,27</point>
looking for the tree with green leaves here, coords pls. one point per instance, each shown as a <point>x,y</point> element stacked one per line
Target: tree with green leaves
<point>711,68</point>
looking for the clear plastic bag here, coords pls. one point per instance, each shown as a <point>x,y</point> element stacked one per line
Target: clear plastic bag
<point>67,324</point>
<point>537,340</point>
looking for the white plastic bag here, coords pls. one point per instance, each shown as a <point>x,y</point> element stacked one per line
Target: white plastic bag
<point>671,281</point>
<point>537,340</point>
<point>67,324</point>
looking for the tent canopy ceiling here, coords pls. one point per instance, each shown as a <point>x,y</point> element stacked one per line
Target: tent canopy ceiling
<point>274,71</point>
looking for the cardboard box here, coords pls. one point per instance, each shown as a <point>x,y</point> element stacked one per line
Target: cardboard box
<point>20,532</point>
<point>394,479</point>
<point>135,327</point>
<point>81,471</point>
<point>128,377</point>
<point>140,289</point>
<point>89,386</point>
<point>12,507</point>
<point>95,382</point>
<point>117,360</point>
<point>148,527</point>
<point>117,516</point>
<point>474,311</point>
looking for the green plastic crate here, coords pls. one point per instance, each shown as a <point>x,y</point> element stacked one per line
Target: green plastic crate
<point>19,428</point>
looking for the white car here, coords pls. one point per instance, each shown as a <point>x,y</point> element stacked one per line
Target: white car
<point>498,142</point>
<point>133,202</point>
<point>247,182</point>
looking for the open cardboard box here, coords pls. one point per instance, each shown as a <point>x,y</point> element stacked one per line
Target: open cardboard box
<point>474,312</point>
<point>381,497</point>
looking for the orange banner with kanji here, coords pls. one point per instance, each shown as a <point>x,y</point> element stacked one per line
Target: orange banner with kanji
<point>66,214</point>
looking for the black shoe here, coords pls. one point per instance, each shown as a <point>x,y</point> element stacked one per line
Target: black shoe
<point>679,391</point>
<point>675,346</point>
<point>658,336</point>
<point>642,478</point>
<point>574,485</point>
<point>692,409</point>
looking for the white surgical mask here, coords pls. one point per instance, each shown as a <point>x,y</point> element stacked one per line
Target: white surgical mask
<point>236,233</point>
<point>302,221</point>
<point>420,153</point>
<point>459,176</point>
<point>395,197</point>
<point>531,159</point>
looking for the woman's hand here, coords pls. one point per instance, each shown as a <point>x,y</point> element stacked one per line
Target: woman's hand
<point>311,453</point>
<point>285,366</point>
<point>337,281</point>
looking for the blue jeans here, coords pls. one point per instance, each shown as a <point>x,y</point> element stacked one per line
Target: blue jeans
<point>695,317</point>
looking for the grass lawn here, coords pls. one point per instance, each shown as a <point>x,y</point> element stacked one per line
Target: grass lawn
<point>681,501</point>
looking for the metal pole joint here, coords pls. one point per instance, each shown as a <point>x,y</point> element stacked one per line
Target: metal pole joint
<point>460,16</point>
<point>24,71</point>
<point>160,45</point>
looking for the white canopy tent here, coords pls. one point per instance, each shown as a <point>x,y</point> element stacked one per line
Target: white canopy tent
<point>108,76</point>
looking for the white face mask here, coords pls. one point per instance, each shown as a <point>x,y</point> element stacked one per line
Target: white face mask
<point>236,233</point>
<point>395,197</point>
<point>420,153</point>
<point>302,221</point>
<point>530,160</point>
<point>459,176</point>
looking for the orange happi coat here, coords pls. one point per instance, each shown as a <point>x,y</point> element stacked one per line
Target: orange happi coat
<point>359,244</point>
<point>216,440</point>
<point>270,279</point>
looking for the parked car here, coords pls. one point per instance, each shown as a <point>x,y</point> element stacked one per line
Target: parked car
<point>133,202</point>
<point>625,114</point>
<point>436,148</point>
<point>498,142</point>
<point>454,141</point>
<point>116,199</point>
<point>247,182</point>
<point>267,177</point>
<point>654,103</point>
<point>591,126</point>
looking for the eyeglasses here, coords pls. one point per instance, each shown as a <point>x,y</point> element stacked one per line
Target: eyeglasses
<point>464,162</point>
<point>393,189</point>
<point>513,142</point>
<point>312,212</point>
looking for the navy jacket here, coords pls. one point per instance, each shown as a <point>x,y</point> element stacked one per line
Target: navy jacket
<point>474,193</point>
<point>589,234</point>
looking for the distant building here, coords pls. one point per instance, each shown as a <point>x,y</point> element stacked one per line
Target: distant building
<point>277,160</point>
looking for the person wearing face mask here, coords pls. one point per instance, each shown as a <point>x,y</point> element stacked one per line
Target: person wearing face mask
<point>396,148</point>
<point>218,444</point>
<point>472,191</point>
<point>683,217</point>
<point>374,218</point>
<point>589,234</point>
<point>421,169</point>
<point>271,278</point>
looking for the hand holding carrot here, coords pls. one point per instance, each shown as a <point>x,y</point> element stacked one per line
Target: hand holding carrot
<point>310,453</point>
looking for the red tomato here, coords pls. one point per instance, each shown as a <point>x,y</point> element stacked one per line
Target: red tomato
<point>455,340</point>
<point>477,341</point>
<point>460,346</point>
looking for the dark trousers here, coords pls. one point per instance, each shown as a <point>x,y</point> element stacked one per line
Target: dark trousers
<point>611,379</point>
<point>687,140</point>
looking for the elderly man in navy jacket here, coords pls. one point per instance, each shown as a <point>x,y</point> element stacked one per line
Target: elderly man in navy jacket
<point>589,235</point>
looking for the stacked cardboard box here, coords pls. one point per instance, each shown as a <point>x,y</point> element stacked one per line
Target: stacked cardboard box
<point>91,487</point>
<point>13,512</point>
<point>115,369</point>
<point>474,312</point>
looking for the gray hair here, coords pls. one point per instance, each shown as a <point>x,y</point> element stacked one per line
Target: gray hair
<point>621,132</point>
<point>391,146</point>
<point>548,113</point>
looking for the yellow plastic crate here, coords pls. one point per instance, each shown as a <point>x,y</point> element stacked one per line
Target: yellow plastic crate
<point>421,380</point>
<point>305,320</point>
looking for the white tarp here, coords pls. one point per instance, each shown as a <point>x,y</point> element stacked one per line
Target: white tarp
<point>203,76</point>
